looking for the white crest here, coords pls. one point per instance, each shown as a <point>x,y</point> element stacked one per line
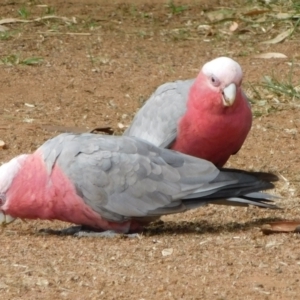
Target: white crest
<point>225,69</point>
<point>9,170</point>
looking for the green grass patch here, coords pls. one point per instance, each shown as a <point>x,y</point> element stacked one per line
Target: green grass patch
<point>14,59</point>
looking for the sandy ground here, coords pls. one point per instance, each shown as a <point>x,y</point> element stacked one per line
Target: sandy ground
<point>100,61</point>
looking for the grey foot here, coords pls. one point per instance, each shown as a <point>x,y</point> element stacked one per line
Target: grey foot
<point>82,231</point>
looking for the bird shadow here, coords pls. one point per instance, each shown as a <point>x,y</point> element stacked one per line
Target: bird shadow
<point>170,228</point>
<point>202,227</point>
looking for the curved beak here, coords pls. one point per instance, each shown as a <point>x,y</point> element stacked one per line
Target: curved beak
<point>5,219</point>
<point>229,94</point>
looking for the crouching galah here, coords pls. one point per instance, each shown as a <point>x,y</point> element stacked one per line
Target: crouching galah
<point>208,117</point>
<point>117,183</point>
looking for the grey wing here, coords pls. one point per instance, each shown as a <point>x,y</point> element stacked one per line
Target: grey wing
<point>156,122</point>
<point>124,177</point>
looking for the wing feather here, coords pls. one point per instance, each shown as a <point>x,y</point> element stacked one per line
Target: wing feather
<point>156,122</point>
<point>125,177</point>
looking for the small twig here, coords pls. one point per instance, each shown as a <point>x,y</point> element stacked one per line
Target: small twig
<point>14,20</point>
<point>66,33</point>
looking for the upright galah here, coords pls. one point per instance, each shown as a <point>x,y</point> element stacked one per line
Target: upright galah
<point>208,117</point>
<point>117,183</point>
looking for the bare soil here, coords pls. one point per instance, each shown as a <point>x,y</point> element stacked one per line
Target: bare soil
<point>98,68</point>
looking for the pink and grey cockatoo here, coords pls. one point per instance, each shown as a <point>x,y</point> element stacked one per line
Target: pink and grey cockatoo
<point>208,117</point>
<point>117,183</point>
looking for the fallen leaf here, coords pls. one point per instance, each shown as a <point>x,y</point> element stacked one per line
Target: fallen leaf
<point>65,33</point>
<point>291,131</point>
<point>28,120</point>
<point>234,26</point>
<point>280,37</point>
<point>261,103</point>
<point>14,20</point>
<point>204,27</point>
<point>42,282</point>
<point>220,15</point>
<point>256,12</point>
<point>262,19</point>
<point>29,105</point>
<point>167,252</point>
<point>270,55</point>
<point>2,145</point>
<point>281,227</point>
<point>283,16</point>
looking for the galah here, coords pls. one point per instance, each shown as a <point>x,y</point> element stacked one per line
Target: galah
<point>117,183</point>
<point>208,117</point>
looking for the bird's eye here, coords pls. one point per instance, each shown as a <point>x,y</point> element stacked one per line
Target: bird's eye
<point>214,81</point>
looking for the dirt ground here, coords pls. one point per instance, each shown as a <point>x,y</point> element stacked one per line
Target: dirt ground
<point>100,61</point>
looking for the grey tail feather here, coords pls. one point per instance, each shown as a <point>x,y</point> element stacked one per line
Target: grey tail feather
<point>233,201</point>
<point>243,193</point>
<point>244,201</point>
<point>261,194</point>
<point>240,190</point>
<point>264,176</point>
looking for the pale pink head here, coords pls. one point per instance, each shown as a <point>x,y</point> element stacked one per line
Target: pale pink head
<point>8,171</point>
<point>223,77</point>
<point>218,116</point>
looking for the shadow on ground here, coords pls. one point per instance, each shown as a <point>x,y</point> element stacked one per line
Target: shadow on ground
<point>183,227</point>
